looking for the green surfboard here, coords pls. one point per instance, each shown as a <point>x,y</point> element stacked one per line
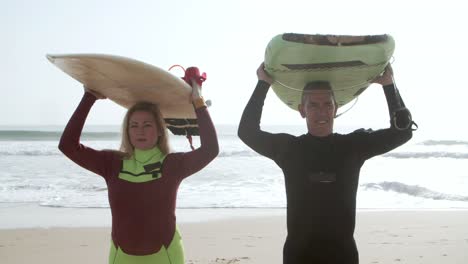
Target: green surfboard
<point>349,63</point>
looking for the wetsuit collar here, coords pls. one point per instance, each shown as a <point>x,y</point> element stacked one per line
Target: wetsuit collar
<point>308,135</point>
<point>144,156</point>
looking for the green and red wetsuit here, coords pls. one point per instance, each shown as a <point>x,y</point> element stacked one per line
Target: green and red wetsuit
<point>142,200</point>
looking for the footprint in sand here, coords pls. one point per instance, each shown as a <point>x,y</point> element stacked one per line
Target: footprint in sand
<point>229,261</point>
<point>226,261</point>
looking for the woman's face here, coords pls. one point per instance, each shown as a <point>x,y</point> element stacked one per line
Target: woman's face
<point>142,130</point>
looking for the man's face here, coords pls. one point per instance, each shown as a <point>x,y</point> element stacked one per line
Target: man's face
<point>319,109</point>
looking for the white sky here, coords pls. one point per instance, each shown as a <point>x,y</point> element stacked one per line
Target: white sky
<point>227,39</point>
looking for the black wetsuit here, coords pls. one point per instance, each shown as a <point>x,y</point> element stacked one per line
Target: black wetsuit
<point>321,177</point>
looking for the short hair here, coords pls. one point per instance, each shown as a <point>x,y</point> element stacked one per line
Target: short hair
<point>317,86</point>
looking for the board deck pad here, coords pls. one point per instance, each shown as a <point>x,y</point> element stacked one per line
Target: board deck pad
<point>348,63</point>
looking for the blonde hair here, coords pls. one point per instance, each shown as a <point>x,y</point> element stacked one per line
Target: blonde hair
<point>126,148</point>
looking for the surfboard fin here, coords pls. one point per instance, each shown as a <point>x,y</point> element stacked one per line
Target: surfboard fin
<point>194,73</point>
<point>191,73</point>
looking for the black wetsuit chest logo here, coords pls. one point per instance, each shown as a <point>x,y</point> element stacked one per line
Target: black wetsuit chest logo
<point>321,177</point>
<point>154,169</point>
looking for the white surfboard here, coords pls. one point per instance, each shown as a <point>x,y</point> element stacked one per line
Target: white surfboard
<point>127,81</point>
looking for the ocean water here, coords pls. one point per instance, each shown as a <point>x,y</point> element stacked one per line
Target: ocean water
<point>428,174</point>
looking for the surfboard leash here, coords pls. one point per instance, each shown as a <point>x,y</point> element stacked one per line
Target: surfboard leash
<point>189,74</point>
<point>190,140</point>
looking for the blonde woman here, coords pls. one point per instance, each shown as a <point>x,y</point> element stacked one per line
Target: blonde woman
<point>142,178</point>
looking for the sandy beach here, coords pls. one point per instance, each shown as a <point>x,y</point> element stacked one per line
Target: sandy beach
<point>235,236</point>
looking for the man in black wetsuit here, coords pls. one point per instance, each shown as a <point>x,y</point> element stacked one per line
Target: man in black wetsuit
<point>321,168</point>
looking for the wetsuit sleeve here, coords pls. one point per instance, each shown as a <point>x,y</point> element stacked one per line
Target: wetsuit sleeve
<point>188,163</point>
<point>266,144</point>
<point>88,158</point>
<point>373,143</point>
